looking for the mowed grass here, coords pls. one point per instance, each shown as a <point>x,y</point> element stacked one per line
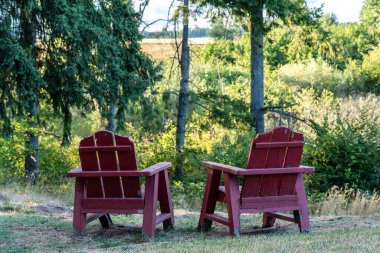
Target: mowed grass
<point>35,224</point>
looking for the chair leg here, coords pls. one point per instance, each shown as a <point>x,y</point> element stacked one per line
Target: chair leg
<point>106,221</point>
<point>268,221</point>
<point>150,208</point>
<point>79,219</point>
<point>233,203</point>
<point>209,198</point>
<point>165,199</point>
<point>302,215</point>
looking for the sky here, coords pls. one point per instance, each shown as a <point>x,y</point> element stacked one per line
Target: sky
<point>345,10</point>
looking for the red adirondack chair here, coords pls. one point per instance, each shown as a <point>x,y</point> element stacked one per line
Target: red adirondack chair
<point>108,182</point>
<point>273,181</point>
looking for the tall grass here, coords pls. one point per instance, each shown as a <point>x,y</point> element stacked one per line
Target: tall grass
<point>346,202</point>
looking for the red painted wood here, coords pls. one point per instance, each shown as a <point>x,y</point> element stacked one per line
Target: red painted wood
<point>303,211</point>
<point>210,197</point>
<point>79,218</point>
<point>150,209</point>
<point>128,162</point>
<point>108,182</point>
<point>89,162</point>
<point>165,199</point>
<point>233,203</point>
<point>293,159</point>
<point>275,159</point>
<point>259,171</point>
<point>108,162</point>
<point>273,181</point>
<point>282,216</point>
<point>105,148</point>
<point>217,218</point>
<point>114,204</point>
<point>257,158</point>
<point>279,144</point>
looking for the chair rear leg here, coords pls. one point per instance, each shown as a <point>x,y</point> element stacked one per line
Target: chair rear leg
<point>106,221</point>
<point>209,198</point>
<point>268,221</point>
<point>165,199</point>
<point>150,208</point>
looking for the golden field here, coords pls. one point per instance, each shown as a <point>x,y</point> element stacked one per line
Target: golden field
<point>161,49</point>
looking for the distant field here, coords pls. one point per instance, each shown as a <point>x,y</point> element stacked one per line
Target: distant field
<point>161,49</point>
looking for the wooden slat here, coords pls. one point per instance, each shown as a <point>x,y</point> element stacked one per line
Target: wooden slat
<point>128,162</point>
<point>269,171</point>
<point>108,162</point>
<point>217,218</point>
<point>282,216</point>
<point>275,159</point>
<point>105,148</point>
<point>256,159</point>
<point>269,199</point>
<point>80,173</point>
<point>279,144</point>
<point>292,159</point>
<point>113,204</point>
<point>269,209</point>
<point>89,162</point>
<point>161,217</point>
<point>264,205</point>
<point>93,216</point>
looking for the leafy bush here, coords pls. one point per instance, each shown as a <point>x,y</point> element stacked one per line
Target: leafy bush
<point>371,69</point>
<point>320,76</point>
<point>345,152</point>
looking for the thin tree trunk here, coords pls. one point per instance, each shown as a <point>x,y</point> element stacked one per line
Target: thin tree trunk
<point>257,68</point>
<point>32,161</point>
<point>111,117</point>
<point>28,22</point>
<point>183,92</point>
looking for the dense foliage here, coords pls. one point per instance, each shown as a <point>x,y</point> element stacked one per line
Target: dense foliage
<point>321,79</point>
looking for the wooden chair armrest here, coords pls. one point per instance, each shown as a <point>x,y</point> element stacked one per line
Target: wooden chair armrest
<point>264,171</point>
<point>125,173</point>
<point>154,169</point>
<point>269,171</point>
<point>223,167</point>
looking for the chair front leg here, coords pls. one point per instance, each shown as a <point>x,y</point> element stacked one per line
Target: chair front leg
<point>79,218</point>
<point>150,207</point>
<point>210,197</point>
<point>233,203</point>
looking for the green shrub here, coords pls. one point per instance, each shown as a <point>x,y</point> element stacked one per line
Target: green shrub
<point>345,152</point>
<point>320,76</point>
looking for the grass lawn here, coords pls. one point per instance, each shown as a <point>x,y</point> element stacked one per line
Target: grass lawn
<point>35,224</point>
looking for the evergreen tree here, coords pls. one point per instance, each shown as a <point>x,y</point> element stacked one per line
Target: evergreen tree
<point>72,54</point>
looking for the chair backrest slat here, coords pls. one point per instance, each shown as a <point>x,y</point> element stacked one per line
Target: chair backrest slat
<point>89,162</point>
<point>293,159</point>
<point>105,151</point>
<point>128,161</point>
<point>278,148</point>
<point>108,162</point>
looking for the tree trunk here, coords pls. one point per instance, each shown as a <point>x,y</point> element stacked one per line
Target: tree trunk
<point>183,92</point>
<point>32,162</point>
<point>28,22</point>
<point>257,68</point>
<point>111,117</point>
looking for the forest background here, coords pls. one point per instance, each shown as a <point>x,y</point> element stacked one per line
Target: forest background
<point>321,78</point>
